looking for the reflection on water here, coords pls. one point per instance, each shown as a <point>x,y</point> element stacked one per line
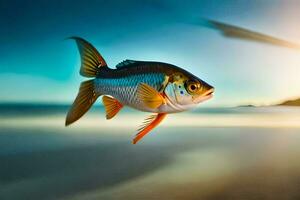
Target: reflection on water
<point>233,153</point>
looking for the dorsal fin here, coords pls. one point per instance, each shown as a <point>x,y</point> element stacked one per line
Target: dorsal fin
<point>126,63</point>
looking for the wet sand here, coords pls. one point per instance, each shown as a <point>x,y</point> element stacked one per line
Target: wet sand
<point>44,160</point>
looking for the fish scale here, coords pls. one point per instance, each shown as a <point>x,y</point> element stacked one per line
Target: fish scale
<point>124,88</point>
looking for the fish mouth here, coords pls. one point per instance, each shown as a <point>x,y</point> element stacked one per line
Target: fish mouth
<point>209,93</point>
<point>206,96</point>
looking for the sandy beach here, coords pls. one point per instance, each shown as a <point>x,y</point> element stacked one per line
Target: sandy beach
<point>94,159</point>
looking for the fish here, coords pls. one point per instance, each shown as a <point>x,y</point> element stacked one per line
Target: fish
<point>148,86</point>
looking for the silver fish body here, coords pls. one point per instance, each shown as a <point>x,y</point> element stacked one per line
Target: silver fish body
<point>155,87</point>
<point>125,88</point>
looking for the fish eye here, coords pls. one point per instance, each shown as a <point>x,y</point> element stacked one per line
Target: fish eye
<point>192,86</point>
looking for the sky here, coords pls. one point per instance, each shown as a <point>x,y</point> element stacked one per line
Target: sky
<point>38,64</point>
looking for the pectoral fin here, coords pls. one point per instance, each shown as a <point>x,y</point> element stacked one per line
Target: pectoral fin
<point>149,96</point>
<point>112,106</point>
<point>149,124</point>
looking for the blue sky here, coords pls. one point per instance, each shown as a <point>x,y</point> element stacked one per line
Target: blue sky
<point>37,64</point>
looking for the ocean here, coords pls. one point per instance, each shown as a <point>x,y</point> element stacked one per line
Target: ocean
<point>209,153</point>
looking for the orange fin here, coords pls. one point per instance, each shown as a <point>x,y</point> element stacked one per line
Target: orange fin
<point>149,124</point>
<point>151,97</point>
<point>112,106</point>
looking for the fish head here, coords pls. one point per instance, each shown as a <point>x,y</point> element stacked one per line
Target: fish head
<point>186,90</point>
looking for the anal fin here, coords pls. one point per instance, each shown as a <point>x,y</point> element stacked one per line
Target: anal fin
<point>112,106</point>
<point>149,124</point>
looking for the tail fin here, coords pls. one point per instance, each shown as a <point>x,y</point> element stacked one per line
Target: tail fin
<point>84,100</point>
<point>91,62</point>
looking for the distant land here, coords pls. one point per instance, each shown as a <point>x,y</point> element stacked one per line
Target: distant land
<point>294,102</point>
<point>247,106</point>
